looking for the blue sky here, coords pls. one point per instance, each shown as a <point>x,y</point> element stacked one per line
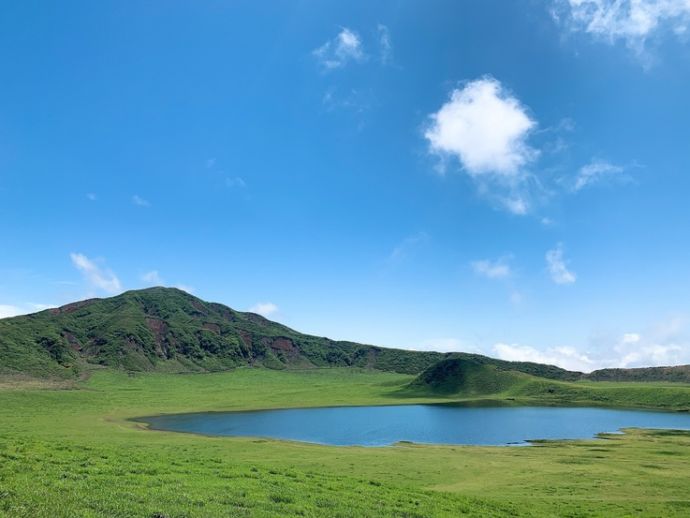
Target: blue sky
<point>503,177</point>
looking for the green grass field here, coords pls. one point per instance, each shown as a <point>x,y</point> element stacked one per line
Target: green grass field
<point>71,450</point>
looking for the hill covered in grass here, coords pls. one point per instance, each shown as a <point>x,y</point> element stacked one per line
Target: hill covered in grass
<point>169,330</point>
<point>166,329</point>
<point>468,379</point>
<point>466,376</point>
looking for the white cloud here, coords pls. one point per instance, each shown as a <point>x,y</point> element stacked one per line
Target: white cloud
<point>139,201</point>
<point>498,269</point>
<point>516,297</point>
<point>594,172</point>
<point>667,343</point>
<point>210,162</point>
<point>91,196</point>
<point>630,338</point>
<point>407,245</point>
<point>632,21</point>
<point>152,277</point>
<point>336,53</point>
<point>565,357</point>
<point>357,101</point>
<point>7,311</point>
<point>235,181</point>
<point>385,45</point>
<point>517,205</point>
<point>41,307</point>
<point>445,345</point>
<point>485,128</point>
<point>642,353</point>
<point>265,309</point>
<point>97,277</point>
<point>558,268</point>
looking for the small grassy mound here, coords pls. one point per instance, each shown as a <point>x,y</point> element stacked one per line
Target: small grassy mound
<point>467,377</point>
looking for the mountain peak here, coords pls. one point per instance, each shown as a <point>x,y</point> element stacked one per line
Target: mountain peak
<point>169,329</point>
<point>164,328</point>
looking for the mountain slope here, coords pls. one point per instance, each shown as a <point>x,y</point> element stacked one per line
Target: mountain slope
<point>169,329</point>
<point>166,329</point>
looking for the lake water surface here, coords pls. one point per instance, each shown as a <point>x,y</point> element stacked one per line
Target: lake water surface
<point>440,424</point>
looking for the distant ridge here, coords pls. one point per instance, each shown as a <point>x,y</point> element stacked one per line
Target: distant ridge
<point>166,329</point>
<point>678,373</point>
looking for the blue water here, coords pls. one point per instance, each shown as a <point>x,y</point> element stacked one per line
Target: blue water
<point>440,424</point>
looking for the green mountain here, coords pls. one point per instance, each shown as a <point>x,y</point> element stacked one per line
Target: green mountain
<point>166,329</point>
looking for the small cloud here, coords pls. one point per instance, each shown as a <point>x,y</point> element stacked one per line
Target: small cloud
<point>594,172</point>
<point>630,338</point>
<point>385,45</point>
<point>264,309</point>
<point>564,357</point>
<point>152,278</point>
<point>547,222</point>
<point>235,182</point>
<point>557,266</point>
<point>555,139</point>
<point>41,307</point>
<point>566,124</point>
<point>210,162</point>
<point>445,345</point>
<point>139,201</point>
<point>97,277</point>
<point>91,196</point>
<point>352,100</point>
<point>516,298</point>
<point>344,48</point>
<point>516,205</point>
<point>355,100</point>
<point>7,311</point>
<point>405,247</point>
<point>498,269</point>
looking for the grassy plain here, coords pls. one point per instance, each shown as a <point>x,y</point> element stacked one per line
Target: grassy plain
<point>72,451</point>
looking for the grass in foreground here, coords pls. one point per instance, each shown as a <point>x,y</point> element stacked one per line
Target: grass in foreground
<point>73,452</point>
